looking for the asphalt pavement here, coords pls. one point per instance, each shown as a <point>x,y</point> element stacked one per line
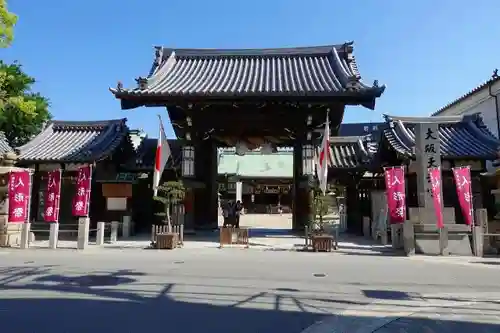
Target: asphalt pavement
<point>236,290</point>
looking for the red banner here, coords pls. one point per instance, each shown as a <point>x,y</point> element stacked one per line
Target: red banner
<point>435,178</point>
<point>52,196</point>
<point>464,192</point>
<point>81,200</point>
<point>19,196</point>
<point>396,193</point>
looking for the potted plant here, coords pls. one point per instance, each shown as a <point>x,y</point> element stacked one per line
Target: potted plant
<point>170,193</point>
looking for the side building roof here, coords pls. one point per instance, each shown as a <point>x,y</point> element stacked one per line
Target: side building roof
<point>145,155</point>
<point>75,141</point>
<point>4,145</point>
<point>468,138</point>
<point>320,71</point>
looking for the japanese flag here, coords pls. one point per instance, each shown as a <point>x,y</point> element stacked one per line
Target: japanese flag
<point>323,159</point>
<point>162,155</point>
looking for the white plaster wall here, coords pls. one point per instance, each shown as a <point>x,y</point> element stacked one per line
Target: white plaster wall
<point>482,102</point>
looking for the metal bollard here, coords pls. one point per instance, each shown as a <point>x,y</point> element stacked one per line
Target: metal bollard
<point>114,231</point>
<point>101,227</point>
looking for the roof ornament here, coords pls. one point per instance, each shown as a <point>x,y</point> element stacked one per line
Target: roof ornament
<point>375,84</point>
<point>142,83</point>
<point>495,74</point>
<point>352,83</point>
<point>158,55</point>
<point>119,86</point>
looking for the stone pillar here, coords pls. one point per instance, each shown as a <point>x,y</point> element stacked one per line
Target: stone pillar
<point>443,241</point>
<point>481,220</point>
<point>53,235</point>
<point>239,191</point>
<point>478,241</point>
<point>397,236</point>
<point>25,235</point>
<point>409,238</point>
<point>83,233</point>
<point>428,154</point>
<point>101,228</point>
<point>126,226</point>
<point>114,231</point>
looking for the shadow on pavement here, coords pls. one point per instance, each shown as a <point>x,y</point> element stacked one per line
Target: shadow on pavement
<point>100,302</point>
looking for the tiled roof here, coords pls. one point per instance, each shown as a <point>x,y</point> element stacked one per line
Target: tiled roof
<point>4,145</point>
<point>146,153</point>
<point>328,71</point>
<point>469,138</point>
<point>351,152</point>
<point>495,78</point>
<point>75,141</point>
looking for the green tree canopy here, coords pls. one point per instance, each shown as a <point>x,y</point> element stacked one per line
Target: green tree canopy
<point>22,112</point>
<point>7,22</point>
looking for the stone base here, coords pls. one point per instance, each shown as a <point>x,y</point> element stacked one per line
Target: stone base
<point>11,235</point>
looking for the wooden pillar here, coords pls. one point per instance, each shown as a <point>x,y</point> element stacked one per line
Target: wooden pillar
<point>205,206</point>
<point>297,173</point>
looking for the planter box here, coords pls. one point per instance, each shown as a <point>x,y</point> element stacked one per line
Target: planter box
<point>168,240</point>
<point>322,243</point>
<point>231,236</point>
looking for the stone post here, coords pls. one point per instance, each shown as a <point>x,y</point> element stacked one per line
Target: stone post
<point>481,220</point>
<point>478,241</point>
<point>101,227</point>
<point>25,235</point>
<point>83,233</point>
<point>366,227</point>
<point>53,235</point>
<point>126,226</point>
<point>409,238</point>
<point>443,241</point>
<point>114,231</point>
<point>397,236</point>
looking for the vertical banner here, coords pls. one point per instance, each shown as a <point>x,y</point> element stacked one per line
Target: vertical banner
<point>435,180</point>
<point>52,196</point>
<point>396,193</point>
<point>19,196</point>
<point>81,200</point>
<point>464,192</point>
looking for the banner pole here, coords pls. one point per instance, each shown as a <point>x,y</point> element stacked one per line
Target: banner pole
<point>28,202</point>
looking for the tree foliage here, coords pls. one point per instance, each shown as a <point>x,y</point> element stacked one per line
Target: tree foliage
<point>7,22</point>
<point>23,113</point>
<point>169,193</point>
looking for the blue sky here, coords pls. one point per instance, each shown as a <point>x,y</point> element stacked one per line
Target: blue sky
<point>427,52</point>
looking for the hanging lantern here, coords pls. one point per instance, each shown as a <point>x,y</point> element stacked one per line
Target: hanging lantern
<point>267,149</point>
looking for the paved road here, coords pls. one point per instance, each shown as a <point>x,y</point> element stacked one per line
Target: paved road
<point>245,291</point>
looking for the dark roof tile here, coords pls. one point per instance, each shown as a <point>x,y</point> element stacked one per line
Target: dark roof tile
<point>146,153</point>
<point>75,141</point>
<point>469,138</point>
<point>4,145</point>
<point>350,152</point>
<point>307,71</point>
